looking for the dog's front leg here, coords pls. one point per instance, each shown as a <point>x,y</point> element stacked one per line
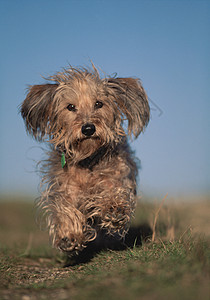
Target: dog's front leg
<point>69,230</point>
<point>117,212</point>
<point>111,211</point>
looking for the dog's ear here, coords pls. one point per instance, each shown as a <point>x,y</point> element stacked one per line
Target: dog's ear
<point>38,109</point>
<point>132,101</point>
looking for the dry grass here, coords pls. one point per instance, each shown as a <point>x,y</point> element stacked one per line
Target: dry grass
<point>156,218</point>
<point>173,263</point>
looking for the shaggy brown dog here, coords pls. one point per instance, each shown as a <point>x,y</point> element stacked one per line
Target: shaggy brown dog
<point>90,172</point>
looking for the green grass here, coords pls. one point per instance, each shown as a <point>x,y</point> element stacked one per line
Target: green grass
<point>174,266</point>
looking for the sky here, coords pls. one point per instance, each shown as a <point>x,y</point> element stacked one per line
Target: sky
<point>164,43</point>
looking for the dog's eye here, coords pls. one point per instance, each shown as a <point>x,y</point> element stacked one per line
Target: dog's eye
<point>71,107</point>
<point>98,104</point>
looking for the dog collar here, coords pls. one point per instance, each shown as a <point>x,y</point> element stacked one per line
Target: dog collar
<point>90,161</point>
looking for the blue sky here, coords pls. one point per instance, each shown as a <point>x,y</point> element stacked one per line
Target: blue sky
<point>164,43</point>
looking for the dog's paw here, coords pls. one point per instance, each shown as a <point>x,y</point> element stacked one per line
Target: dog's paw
<point>70,244</point>
<point>74,243</point>
<point>115,219</point>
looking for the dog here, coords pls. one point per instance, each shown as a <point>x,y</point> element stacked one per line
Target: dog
<point>90,174</point>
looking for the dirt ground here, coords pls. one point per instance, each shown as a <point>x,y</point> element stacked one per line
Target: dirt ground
<point>31,269</point>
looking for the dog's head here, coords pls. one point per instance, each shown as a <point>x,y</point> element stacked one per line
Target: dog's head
<point>80,112</point>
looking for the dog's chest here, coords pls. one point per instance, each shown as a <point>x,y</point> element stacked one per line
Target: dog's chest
<point>104,176</point>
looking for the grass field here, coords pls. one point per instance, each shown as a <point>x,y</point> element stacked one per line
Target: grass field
<point>172,263</point>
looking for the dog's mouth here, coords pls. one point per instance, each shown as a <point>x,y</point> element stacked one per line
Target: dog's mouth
<point>86,146</point>
<point>87,138</point>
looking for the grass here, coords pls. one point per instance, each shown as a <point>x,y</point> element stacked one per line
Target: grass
<point>172,264</point>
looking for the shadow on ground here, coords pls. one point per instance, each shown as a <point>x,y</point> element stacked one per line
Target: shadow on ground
<point>135,236</point>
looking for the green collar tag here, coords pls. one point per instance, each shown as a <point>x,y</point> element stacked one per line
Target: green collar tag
<point>63,160</point>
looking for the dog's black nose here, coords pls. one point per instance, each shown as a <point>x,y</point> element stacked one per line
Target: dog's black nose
<point>88,129</point>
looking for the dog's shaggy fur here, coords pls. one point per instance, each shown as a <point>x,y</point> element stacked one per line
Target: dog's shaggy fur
<point>81,116</point>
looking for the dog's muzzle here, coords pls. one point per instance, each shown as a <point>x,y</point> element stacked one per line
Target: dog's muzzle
<point>88,129</point>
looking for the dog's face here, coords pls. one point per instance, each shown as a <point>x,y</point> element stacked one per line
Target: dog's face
<point>80,112</point>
